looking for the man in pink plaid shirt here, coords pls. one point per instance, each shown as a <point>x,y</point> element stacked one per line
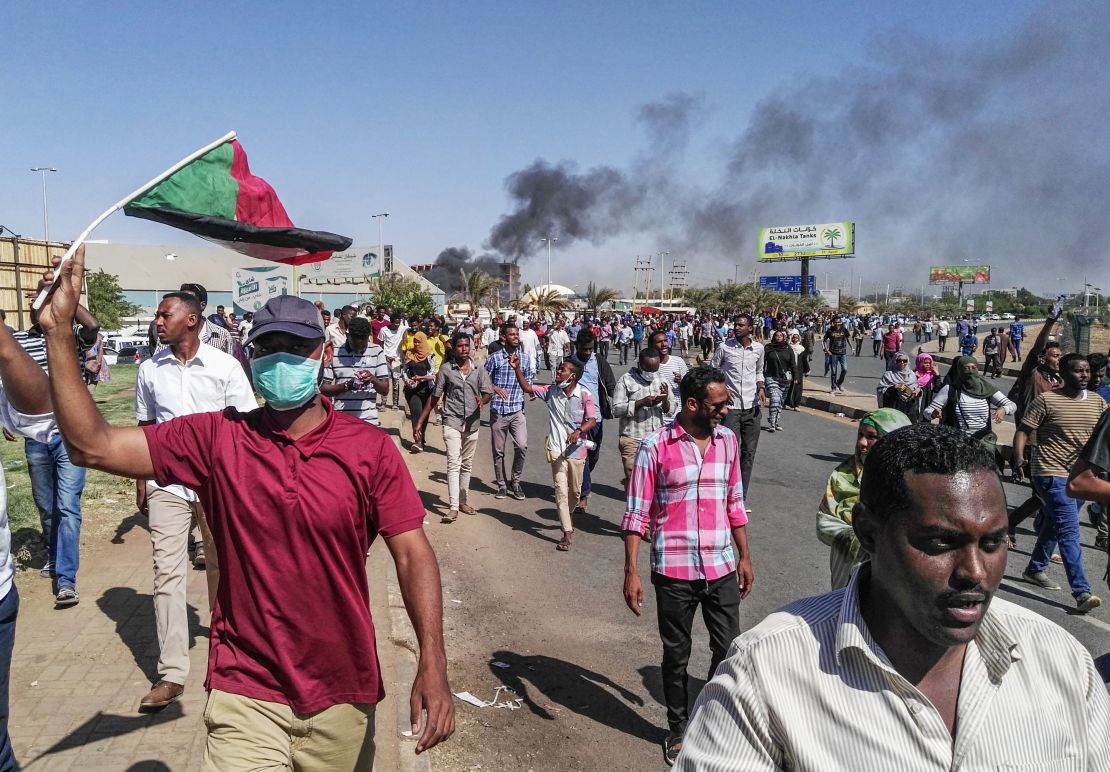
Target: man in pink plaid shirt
<point>686,492</point>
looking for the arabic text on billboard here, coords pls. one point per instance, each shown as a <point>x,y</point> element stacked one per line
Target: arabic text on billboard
<point>954,274</point>
<point>252,287</point>
<point>354,266</point>
<point>790,242</point>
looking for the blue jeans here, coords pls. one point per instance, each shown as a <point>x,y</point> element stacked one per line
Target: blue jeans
<point>56,485</point>
<point>9,608</point>
<point>838,369</point>
<point>1060,525</point>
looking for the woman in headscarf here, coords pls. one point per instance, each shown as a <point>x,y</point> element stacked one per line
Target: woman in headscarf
<point>898,388</point>
<point>834,513</point>
<point>418,372</point>
<point>780,368</point>
<point>928,379</point>
<point>795,397</point>
<point>966,402</point>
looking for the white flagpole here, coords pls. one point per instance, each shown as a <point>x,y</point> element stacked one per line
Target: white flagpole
<point>126,200</point>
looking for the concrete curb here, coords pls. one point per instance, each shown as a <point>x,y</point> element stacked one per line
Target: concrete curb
<point>404,655</point>
<point>403,637</point>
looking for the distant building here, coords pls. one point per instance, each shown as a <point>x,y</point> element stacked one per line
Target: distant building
<point>509,274</point>
<point>148,271</point>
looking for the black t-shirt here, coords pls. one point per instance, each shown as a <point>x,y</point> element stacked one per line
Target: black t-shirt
<point>837,340</point>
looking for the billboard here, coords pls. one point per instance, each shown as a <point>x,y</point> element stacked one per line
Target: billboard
<point>252,287</point>
<point>353,266</point>
<point>791,284</point>
<point>960,274</point>
<point>831,298</point>
<point>791,242</point>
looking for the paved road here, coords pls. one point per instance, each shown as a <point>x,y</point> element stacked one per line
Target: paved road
<point>586,669</point>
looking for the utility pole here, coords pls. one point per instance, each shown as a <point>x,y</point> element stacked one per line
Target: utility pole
<point>679,275</point>
<point>662,271</point>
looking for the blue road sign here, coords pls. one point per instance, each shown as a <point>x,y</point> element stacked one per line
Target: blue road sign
<point>787,283</point>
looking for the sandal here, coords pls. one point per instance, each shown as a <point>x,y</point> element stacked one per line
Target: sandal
<point>672,746</point>
<point>564,544</point>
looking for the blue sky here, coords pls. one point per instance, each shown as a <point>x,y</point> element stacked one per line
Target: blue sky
<point>424,109</point>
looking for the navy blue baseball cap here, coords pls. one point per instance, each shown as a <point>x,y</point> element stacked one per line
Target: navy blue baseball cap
<point>287,313</point>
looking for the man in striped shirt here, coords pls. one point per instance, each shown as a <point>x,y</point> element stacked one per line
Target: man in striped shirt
<point>686,492</point>
<point>1063,420</point>
<point>358,374</point>
<point>915,666</point>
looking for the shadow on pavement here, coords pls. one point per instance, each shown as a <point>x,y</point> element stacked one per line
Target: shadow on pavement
<point>110,725</point>
<point>832,458</point>
<point>148,765</point>
<point>576,688</point>
<point>1102,664</point>
<point>133,614</point>
<point>28,548</point>
<point>1010,588</point>
<point>128,524</point>
<point>652,678</point>
<point>524,524</point>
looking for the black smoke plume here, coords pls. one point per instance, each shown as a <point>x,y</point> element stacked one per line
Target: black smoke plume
<point>992,152</point>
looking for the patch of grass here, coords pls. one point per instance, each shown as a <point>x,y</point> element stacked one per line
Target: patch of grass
<point>116,401</point>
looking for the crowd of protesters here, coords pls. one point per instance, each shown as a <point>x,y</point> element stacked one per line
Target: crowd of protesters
<point>690,400</point>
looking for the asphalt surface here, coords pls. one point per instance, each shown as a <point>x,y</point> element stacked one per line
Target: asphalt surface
<point>587,669</point>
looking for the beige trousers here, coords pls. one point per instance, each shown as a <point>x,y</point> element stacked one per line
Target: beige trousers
<point>567,476</point>
<point>628,447</point>
<point>460,457</point>
<point>247,734</point>
<point>171,518</point>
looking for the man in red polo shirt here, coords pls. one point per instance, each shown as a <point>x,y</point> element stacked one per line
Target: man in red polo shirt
<point>294,493</point>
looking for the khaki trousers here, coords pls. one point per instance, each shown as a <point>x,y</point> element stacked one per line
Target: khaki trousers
<point>171,518</point>
<point>628,447</point>
<point>247,734</point>
<point>567,476</point>
<point>460,457</point>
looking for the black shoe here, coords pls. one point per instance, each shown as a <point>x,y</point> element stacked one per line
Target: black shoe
<point>501,493</point>
<point>516,491</point>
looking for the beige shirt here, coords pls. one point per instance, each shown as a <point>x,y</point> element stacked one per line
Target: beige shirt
<point>810,689</point>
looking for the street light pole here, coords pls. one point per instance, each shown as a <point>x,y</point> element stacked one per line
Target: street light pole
<point>381,244</point>
<point>549,241</point>
<point>42,170</point>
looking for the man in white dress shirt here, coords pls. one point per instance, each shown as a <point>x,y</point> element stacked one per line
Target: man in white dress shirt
<point>184,378</point>
<point>915,666</point>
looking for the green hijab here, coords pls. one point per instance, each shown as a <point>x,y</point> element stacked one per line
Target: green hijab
<point>885,420</point>
<point>969,383</point>
<point>834,513</point>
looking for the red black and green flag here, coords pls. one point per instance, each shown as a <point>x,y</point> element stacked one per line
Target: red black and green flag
<point>216,197</point>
